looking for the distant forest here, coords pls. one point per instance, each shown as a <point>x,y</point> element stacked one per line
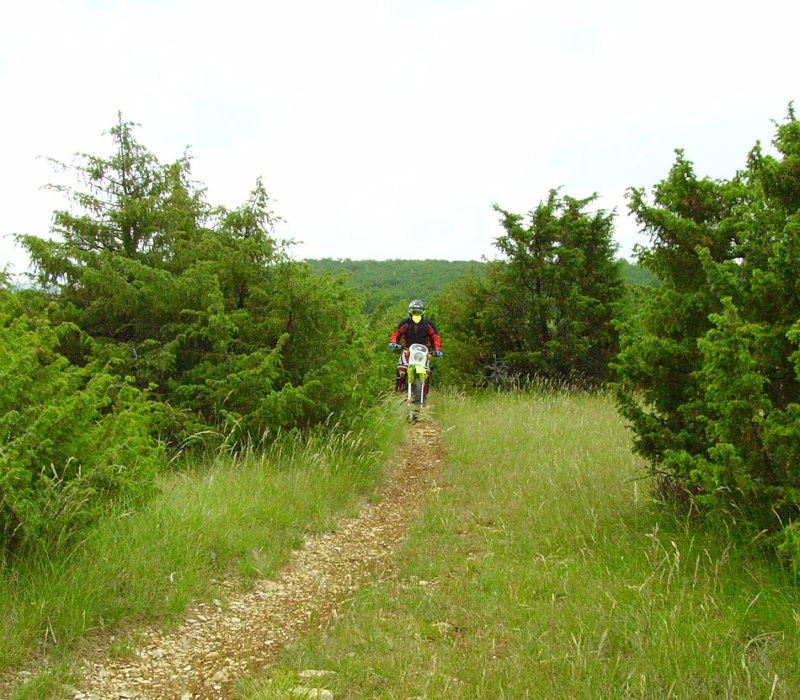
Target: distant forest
<point>388,283</point>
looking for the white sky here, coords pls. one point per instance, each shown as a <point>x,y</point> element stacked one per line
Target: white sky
<point>388,128</point>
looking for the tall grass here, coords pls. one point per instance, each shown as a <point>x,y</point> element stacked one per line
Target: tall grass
<point>543,569</point>
<point>233,516</point>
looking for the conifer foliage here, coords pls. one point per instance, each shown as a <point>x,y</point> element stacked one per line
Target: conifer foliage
<point>158,305</point>
<point>711,367</point>
<point>546,310</point>
<point>73,438</point>
<point>199,304</point>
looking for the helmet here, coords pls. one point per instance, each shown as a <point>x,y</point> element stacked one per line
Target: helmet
<point>416,307</point>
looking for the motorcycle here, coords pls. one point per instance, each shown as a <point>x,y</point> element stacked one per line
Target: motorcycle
<point>418,372</point>
<point>417,361</point>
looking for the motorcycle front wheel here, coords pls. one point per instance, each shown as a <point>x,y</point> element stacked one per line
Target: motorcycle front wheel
<point>418,391</point>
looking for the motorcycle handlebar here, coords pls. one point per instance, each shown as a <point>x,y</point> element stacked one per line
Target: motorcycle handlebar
<point>398,348</point>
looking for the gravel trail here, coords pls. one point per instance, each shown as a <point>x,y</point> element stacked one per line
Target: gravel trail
<point>220,642</point>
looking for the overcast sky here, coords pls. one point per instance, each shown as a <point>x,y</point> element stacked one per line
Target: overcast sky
<point>388,128</point>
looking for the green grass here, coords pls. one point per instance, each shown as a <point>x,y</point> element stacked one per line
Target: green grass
<point>238,516</point>
<point>542,569</point>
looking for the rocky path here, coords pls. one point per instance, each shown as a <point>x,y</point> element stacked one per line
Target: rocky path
<point>220,642</point>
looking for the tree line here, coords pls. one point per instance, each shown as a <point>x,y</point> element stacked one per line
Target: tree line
<point>390,284</point>
<point>160,323</point>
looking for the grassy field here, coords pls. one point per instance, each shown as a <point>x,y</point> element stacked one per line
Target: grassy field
<point>238,515</point>
<point>542,569</point>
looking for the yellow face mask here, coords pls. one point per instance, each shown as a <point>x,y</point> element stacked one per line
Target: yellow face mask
<point>416,318</point>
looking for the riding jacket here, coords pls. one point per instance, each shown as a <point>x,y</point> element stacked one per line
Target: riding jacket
<point>407,333</point>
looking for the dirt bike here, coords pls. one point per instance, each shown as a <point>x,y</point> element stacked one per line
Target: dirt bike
<point>417,361</point>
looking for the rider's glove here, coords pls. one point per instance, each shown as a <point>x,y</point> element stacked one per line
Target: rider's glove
<point>438,353</point>
<point>394,346</point>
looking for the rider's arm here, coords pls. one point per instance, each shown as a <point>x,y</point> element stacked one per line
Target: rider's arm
<point>395,337</point>
<point>434,336</point>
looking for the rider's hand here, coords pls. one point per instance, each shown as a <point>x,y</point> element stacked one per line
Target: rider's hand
<point>394,346</point>
<point>438,353</point>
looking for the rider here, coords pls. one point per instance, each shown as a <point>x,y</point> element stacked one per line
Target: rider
<point>414,329</point>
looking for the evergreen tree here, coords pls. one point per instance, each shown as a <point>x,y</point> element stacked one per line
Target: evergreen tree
<point>198,304</point>
<point>547,309</point>
<point>710,371</point>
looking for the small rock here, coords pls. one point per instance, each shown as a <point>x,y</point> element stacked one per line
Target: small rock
<point>315,673</point>
<point>316,693</point>
<point>219,677</point>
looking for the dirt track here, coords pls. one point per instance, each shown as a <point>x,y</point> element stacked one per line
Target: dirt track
<point>222,641</point>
